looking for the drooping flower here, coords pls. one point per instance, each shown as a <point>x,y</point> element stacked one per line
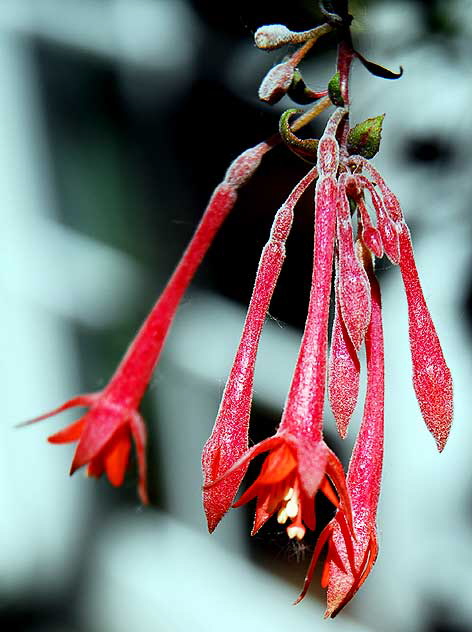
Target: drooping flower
<point>229,438</point>
<point>104,433</point>
<point>104,436</point>
<point>351,555</point>
<point>299,462</point>
<point>432,379</point>
<point>296,468</point>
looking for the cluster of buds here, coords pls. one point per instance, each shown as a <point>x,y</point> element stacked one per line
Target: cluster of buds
<point>357,220</point>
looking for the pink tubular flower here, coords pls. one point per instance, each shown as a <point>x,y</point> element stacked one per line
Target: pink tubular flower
<point>350,559</point>
<point>299,462</point>
<point>104,433</point>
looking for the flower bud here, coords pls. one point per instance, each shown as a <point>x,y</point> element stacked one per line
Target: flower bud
<point>272,36</point>
<point>276,83</point>
<point>334,91</point>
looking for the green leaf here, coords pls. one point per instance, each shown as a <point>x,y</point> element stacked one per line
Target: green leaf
<point>364,138</point>
<point>334,91</point>
<point>303,148</point>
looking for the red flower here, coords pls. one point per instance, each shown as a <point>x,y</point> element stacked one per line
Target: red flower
<point>104,433</point>
<point>229,438</point>
<point>299,462</point>
<point>295,469</point>
<point>352,553</point>
<point>104,437</point>
<point>431,376</point>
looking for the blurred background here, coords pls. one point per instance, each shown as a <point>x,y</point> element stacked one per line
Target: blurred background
<point>117,120</point>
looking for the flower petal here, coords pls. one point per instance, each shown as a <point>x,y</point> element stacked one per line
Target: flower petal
<point>71,432</point>
<point>116,457</point>
<point>79,400</point>
<point>139,434</point>
<point>312,459</point>
<point>229,437</point>
<point>101,423</point>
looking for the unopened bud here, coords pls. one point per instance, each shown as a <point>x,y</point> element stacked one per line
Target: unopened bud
<point>276,83</point>
<point>364,139</point>
<point>272,36</point>
<point>372,239</point>
<point>334,91</point>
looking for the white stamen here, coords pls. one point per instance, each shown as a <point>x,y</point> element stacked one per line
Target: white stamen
<point>294,531</point>
<point>292,508</point>
<point>289,494</point>
<point>282,516</point>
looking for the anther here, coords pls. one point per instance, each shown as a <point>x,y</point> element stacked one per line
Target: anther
<point>282,516</point>
<point>295,531</point>
<point>289,494</point>
<point>292,508</point>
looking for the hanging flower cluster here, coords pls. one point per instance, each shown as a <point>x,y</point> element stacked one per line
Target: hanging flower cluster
<point>348,238</point>
<point>357,220</point>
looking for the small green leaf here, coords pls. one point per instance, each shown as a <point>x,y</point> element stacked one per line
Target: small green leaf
<point>303,148</point>
<point>334,91</point>
<point>300,92</point>
<point>364,138</point>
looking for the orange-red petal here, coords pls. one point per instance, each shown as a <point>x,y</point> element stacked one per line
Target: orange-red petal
<point>69,433</point>
<point>116,457</point>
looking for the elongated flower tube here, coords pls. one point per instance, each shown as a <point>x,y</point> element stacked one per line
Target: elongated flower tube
<point>104,432</point>
<point>343,373</point>
<point>350,559</point>
<point>431,376</point>
<point>229,438</point>
<point>432,379</point>
<point>353,285</point>
<point>299,462</point>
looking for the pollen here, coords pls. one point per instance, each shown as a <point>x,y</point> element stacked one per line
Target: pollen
<point>292,508</point>
<point>295,532</point>
<point>282,516</point>
<point>289,494</point>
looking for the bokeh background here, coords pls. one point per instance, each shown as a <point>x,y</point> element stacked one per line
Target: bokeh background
<point>117,120</point>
